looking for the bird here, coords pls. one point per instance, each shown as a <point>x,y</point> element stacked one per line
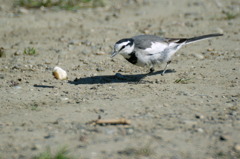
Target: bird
<point>151,50</point>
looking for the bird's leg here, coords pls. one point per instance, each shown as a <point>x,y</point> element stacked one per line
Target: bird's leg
<point>166,67</point>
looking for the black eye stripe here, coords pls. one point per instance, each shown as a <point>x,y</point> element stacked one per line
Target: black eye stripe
<point>122,47</point>
<point>129,40</point>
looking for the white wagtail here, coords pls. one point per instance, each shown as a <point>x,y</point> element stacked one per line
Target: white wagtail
<point>151,50</point>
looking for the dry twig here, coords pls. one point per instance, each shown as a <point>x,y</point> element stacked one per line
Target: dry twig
<point>120,121</point>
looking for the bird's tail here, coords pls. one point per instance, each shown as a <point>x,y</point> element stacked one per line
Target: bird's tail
<point>194,39</point>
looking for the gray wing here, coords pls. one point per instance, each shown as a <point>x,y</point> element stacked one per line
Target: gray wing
<point>152,45</point>
<point>145,41</point>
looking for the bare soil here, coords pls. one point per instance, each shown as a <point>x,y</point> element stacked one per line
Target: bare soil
<point>190,112</point>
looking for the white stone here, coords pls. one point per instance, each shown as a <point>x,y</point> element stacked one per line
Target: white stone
<point>59,73</point>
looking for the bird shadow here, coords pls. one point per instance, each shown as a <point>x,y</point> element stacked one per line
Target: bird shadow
<point>117,78</point>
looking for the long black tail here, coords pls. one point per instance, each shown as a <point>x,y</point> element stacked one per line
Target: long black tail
<point>191,40</point>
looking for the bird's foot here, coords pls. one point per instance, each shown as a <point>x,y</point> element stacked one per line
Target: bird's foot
<point>151,70</point>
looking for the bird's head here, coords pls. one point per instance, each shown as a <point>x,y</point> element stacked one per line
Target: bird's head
<point>124,47</point>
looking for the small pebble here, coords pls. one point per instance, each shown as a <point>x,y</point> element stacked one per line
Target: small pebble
<point>110,131</point>
<point>23,11</point>
<point>190,122</point>
<point>157,81</point>
<point>2,52</point>
<point>199,116</point>
<point>48,136</point>
<point>220,30</point>
<point>166,105</point>
<point>1,76</point>
<point>36,147</point>
<point>59,73</point>
<point>210,49</point>
<point>237,147</point>
<point>64,99</point>
<point>85,52</point>
<point>199,56</point>
<point>119,75</point>
<point>17,87</point>
<point>73,42</point>
<point>200,130</point>
<point>224,137</point>
<point>130,131</point>
<point>101,53</point>
<point>99,69</point>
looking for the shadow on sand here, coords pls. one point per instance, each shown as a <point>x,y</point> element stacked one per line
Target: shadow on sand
<point>117,78</point>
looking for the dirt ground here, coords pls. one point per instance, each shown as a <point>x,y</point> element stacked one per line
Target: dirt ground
<point>192,112</point>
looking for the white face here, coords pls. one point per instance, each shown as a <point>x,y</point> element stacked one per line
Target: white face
<point>124,48</point>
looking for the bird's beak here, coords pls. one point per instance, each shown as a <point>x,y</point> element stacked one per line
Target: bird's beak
<point>114,54</point>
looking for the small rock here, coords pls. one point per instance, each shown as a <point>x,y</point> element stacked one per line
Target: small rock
<point>166,105</point>
<point>71,47</point>
<point>85,52</point>
<point>220,30</point>
<point>1,76</point>
<point>64,99</point>
<point>157,81</point>
<point>23,11</point>
<point>119,75</point>
<point>130,131</point>
<point>210,49</point>
<point>30,129</point>
<point>2,52</point>
<point>81,146</point>
<point>199,116</point>
<point>17,87</point>
<point>59,73</point>
<point>100,53</point>
<point>36,147</point>
<point>237,147</point>
<point>190,122</point>
<point>83,138</point>
<point>48,136</point>
<point>109,131</point>
<point>99,69</point>
<point>73,42</point>
<point>58,121</point>
<point>16,67</point>
<point>224,137</point>
<point>200,130</point>
<point>199,56</point>
<point>2,7</point>
<point>233,113</point>
<point>87,43</point>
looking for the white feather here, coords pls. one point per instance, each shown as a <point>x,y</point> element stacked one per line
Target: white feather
<point>157,53</point>
<point>156,47</point>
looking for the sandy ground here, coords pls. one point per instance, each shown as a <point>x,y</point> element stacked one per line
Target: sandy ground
<point>190,112</point>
